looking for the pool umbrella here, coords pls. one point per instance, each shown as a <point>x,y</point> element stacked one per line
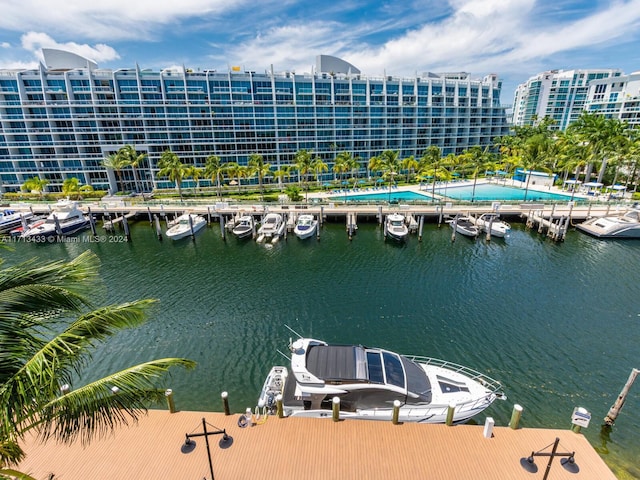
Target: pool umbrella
<point>380,180</point>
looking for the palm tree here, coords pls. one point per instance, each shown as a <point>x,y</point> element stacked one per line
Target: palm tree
<point>71,186</point>
<point>283,172</point>
<point>342,164</point>
<point>477,159</point>
<point>354,166</point>
<point>387,162</point>
<point>429,164</point>
<point>236,171</point>
<point>258,167</point>
<point>535,154</point>
<point>214,170</point>
<point>319,166</point>
<point>195,173</point>
<point>132,159</point>
<point>117,163</point>
<point>170,166</point>
<point>303,163</point>
<point>409,164</point>
<point>47,334</point>
<point>35,184</point>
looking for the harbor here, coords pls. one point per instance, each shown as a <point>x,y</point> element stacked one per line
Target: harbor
<point>523,309</point>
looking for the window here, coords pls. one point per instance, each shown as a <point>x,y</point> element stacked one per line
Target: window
<point>393,369</point>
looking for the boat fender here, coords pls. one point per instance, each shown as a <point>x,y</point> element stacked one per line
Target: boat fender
<point>260,416</point>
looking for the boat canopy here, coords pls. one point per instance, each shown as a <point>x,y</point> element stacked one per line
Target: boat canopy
<point>340,364</point>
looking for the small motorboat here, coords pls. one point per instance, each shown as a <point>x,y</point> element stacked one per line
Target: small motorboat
<point>395,227</point>
<point>306,226</point>
<point>272,227</point>
<point>492,224</point>
<point>464,226</point>
<point>368,381</point>
<point>65,219</point>
<point>185,225</point>
<point>244,227</point>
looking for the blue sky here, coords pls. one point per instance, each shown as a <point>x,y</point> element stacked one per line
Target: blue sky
<point>513,38</point>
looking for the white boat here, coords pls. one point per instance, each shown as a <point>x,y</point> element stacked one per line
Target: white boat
<point>306,226</point>
<point>272,227</point>
<point>65,219</point>
<point>464,226</point>
<point>396,227</point>
<point>244,227</point>
<point>499,228</point>
<point>626,225</point>
<point>369,380</point>
<point>10,219</point>
<point>185,225</point>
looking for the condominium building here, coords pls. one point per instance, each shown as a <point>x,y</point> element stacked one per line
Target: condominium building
<point>558,94</point>
<point>617,97</point>
<point>62,119</point>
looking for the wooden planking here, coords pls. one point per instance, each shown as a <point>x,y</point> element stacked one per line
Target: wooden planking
<point>296,448</point>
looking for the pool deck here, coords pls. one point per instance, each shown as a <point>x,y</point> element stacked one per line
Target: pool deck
<point>310,449</point>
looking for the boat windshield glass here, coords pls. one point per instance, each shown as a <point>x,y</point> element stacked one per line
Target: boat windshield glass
<point>417,381</point>
<point>393,369</point>
<point>374,366</point>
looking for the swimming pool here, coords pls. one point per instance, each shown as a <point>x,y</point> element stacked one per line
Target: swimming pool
<point>484,192</point>
<point>489,192</point>
<point>392,196</point>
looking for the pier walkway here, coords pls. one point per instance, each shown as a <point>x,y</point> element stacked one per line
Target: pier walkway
<point>310,449</point>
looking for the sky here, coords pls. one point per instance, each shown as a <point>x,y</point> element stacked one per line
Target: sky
<point>515,39</point>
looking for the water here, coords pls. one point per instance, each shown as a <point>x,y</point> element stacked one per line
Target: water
<point>558,324</point>
<point>386,196</point>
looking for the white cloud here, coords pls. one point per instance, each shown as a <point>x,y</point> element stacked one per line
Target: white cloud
<point>34,41</point>
<point>5,45</point>
<point>113,19</point>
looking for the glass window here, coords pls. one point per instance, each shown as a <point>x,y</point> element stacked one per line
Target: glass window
<point>374,366</point>
<point>393,369</point>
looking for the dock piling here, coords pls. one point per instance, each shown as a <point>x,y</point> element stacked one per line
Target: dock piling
<point>125,225</point>
<point>279,408</point>
<point>420,226</point>
<point>396,412</point>
<point>92,222</point>
<point>225,403</point>
<point>516,415</point>
<point>336,409</point>
<point>170,403</point>
<point>193,236</point>
<point>619,403</point>
<point>158,227</point>
<point>450,411</point>
<point>222,230</point>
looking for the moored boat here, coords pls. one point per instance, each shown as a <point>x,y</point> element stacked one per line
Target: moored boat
<point>464,226</point>
<point>368,381</point>
<point>395,227</point>
<point>626,225</point>
<point>244,227</point>
<point>272,227</point>
<point>65,219</point>
<point>492,224</point>
<point>306,226</point>
<point>10,219</point>
<point>185,225</point>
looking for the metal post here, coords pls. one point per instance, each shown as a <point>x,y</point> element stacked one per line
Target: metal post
<point>206,440</point>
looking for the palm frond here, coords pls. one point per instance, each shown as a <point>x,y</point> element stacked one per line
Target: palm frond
<point>79,276</point>
<point>94,409</point>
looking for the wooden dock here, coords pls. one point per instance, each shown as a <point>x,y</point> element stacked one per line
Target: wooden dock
<point>310,449</point>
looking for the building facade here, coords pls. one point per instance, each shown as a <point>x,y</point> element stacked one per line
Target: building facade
<point>558,94</point>
<point>62,119</point>
<point>616,97</point>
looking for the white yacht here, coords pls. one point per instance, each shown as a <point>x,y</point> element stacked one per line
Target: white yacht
<point>185,225</point>
<point>396,227</point>
<point>65,219</point>
<point>244,227</point>
<point>499,228</point>
<point>306,226</point>
<point>626,225</point>
<point>368,381</point>
<point>272,227</point>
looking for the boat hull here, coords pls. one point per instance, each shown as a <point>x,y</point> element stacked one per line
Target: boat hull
<point>306,233</point>
<point>178,232</point>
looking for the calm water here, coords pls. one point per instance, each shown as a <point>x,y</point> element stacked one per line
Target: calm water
<point>558,324</point>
